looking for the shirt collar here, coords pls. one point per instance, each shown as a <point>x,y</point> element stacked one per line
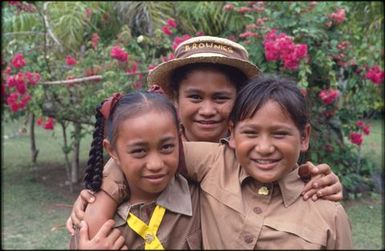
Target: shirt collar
<point>175,197</point>
<point>290,185</point>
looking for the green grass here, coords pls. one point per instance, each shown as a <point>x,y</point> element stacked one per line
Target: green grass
<point>365,218</point>
<point>373,145</point>
<point>33,214</point>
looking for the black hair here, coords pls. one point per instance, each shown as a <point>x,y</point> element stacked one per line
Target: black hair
<point>271,87</point>
<point>236,77</point>
<point>129,105</point>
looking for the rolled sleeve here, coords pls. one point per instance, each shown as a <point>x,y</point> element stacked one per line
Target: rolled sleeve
<point>114,182</point>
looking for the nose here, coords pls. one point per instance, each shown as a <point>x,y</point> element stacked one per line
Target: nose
<point>207,109</point>
<point>154,162</point>
<point>264,145</point>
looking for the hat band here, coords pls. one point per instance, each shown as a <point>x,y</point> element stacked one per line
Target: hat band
<point>188,50</point>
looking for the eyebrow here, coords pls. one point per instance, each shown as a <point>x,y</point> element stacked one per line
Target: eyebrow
<point>193,90</point>
<point>143,143</point>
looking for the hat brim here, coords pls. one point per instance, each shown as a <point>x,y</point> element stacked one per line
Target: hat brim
<point>161,75</point>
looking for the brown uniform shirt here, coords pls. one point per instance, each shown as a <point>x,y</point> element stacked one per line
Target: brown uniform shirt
<point>180,227</point>
<point>238,212</point>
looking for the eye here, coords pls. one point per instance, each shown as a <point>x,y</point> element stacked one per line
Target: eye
<point>138,152</point>
<point>194,97</point>
<point>250,133</point>
<point>221,99</point>
<point>168,148</point>
<point>280,134</point>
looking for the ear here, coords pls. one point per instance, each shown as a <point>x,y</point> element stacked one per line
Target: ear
<point>232,134</point>
<point>111,151</point>
<point>305,138</point>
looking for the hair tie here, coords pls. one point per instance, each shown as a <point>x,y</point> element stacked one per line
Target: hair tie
<point>109,104</point>
<point>155,89</point>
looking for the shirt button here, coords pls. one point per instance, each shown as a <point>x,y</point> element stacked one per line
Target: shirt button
<point>257,210</point>
<point>248,238</point>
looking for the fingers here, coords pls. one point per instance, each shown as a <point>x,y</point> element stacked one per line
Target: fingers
<point>124,248</point>
<point>69,226</point>
<point>83,232</point>
<point>119,242</point>
<point>77,215</point>
<point>319,169</point>
<point>309,194</point>
<point>105,229</point>
<point>87,197</point>
<point>332,192</point>
<point>334,197</point>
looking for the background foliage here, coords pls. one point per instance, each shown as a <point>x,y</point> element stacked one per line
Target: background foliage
<point>85,51</point>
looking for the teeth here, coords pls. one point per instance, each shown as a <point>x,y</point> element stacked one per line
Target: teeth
<point>264,161</point>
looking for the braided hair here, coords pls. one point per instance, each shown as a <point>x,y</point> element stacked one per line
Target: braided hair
<point>128,106</point>
<point>94,170</point>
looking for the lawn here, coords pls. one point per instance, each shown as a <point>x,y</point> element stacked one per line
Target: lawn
<point>36,201</point>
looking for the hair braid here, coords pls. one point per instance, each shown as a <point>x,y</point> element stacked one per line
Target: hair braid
<point>94,170</point>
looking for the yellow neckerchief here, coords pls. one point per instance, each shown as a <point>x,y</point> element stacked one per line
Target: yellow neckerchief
<point>148,232</point>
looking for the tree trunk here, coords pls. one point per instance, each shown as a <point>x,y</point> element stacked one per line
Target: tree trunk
<point>66,151</point>
<point>34,151</point>
<point>75,153</point>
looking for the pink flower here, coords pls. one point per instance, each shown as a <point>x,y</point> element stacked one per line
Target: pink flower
<point>88,12</point>
<point>281,47</point>
<point>11,81</point>
<point>375,74</point>
<point>171,22</point>
<point>338,16</point>
<point>95,40</point>
<point>21,88</point>
<point>228,7</point>
<point>40,121</point>
<point>12,101</point>
<point>364,127</point>
<point>166,30</point>
<point>360,123</point>
<point>356,138</point>
<point>24,100</point>
<point>150,67</point>
<point>7,70</point>
<point>49,124</point>
<point>244,10</point>
<point>119,54</point>
<point>179,40</point>
<point>328,96</point>
<point>248,34</point>
<point>133,68</point>
<point>32,77</point>
<point>18,61</point>
<point>70,60</point>
<point>366,130</point>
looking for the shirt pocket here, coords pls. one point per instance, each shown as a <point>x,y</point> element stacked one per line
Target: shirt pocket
<point>194,240</point>
<point>311,233</point>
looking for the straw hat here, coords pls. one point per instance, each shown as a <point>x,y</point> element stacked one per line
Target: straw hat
<point>203,49</point>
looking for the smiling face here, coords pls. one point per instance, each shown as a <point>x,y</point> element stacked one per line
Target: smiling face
<point>269,143</point>
<point>205,100</point>
<point>147,150</point>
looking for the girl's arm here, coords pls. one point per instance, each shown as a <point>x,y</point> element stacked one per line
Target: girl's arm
<point>97,213</point>
<point>323,182</point>
<point>96,230</point>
